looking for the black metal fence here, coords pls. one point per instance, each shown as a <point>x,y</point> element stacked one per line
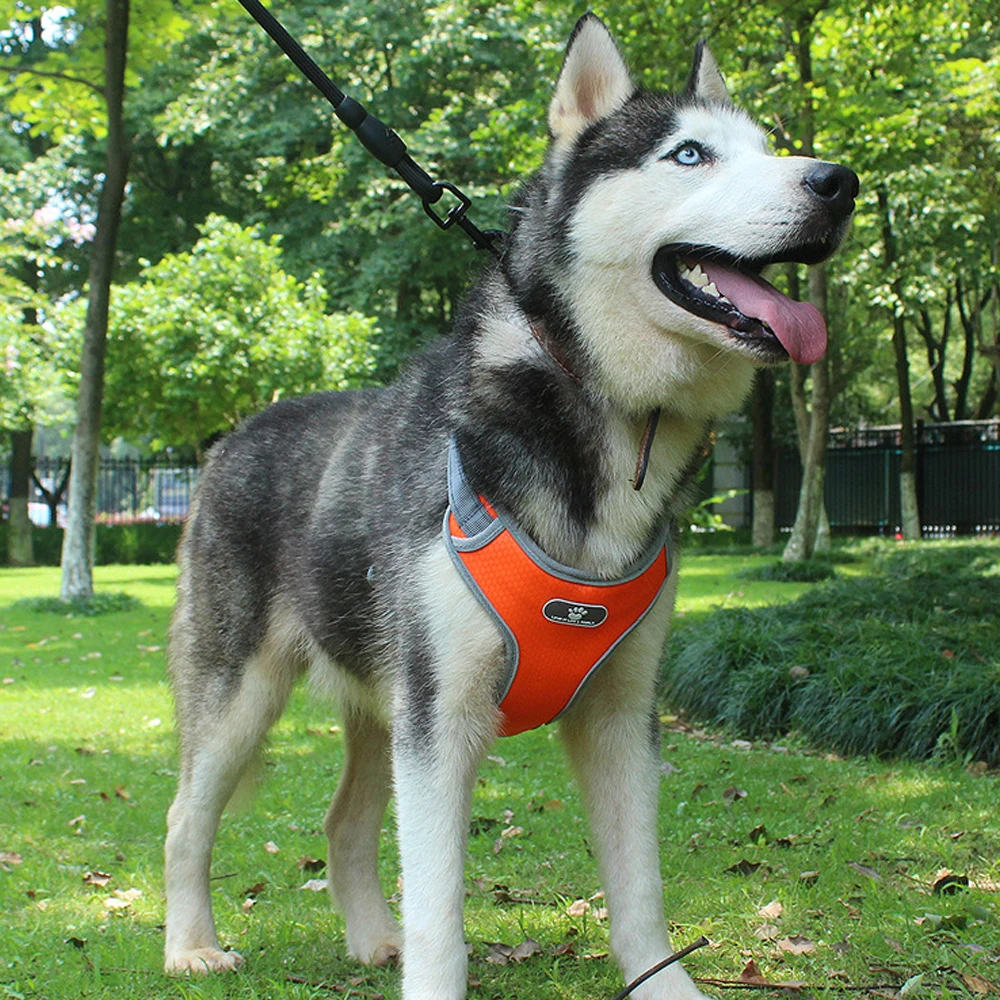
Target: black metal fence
<point>958,483</point>
<point>128,490</point>
<point>957,473</point>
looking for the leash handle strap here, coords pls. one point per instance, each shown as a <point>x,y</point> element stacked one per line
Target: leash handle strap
<point>380,140</point>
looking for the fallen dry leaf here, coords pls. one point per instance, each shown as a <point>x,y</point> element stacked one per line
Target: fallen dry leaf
<point>308,864</point>
<point>976,984</point>
<point>743,867</point>
<point>772,911</point>
<point>122,792</point>
<point>524,951</point>
<point>946,883</point>
<point>498,954</point>
<point>577,908</point>
<point>731,795</point>
<point>248,904</point>
<point>314,885</point>
<point>865,870</point>
<point>10,858</point>
<point>751,974</point>
<point>100,879</point>
<point>809,878</point>
<point>767,932</point>
<point>271,847</point>
<point>796,945</point>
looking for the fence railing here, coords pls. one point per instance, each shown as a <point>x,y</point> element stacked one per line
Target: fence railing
<point>128,490</point>
<point>958,483</point>
<point>957,473</point>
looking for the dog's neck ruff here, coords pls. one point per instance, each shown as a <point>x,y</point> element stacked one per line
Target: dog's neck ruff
<point>542,338</point>
<point>558,624</point>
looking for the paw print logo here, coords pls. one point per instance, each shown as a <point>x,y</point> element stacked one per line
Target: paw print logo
<point>574,613</point>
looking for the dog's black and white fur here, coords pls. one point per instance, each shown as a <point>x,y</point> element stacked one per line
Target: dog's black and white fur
<point>315,541</point>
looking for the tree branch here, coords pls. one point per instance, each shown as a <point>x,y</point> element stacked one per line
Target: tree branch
<point>4,68</point>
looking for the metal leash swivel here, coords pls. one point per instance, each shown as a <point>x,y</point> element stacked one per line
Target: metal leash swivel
<point>380,140</point>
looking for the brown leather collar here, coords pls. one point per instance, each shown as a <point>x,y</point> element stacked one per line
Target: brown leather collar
<point>551,348</point>
<point>556,353</point>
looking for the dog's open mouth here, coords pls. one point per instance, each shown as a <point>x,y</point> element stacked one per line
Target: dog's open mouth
<point>709,284</point>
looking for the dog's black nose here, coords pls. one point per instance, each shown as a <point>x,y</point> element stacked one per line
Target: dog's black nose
<point>835,186</point>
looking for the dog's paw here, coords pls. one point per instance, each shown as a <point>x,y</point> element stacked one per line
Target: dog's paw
<point>381,952</point>
<point>202,961</point>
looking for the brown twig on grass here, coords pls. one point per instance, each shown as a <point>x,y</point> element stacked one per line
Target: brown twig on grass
<point>742,984</point>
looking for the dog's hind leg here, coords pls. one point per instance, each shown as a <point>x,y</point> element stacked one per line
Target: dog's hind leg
<point>220,735</point>
<point>353,825</point>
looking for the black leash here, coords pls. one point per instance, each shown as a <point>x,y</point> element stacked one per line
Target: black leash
<point>380,140</point>
<point>659,967</point>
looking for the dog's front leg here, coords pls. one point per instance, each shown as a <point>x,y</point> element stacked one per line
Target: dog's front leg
<point>610,741</point>
<point>434,774</point>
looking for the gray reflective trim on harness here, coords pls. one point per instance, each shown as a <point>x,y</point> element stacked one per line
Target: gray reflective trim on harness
<point>468,509</point>
<point>474,519</point>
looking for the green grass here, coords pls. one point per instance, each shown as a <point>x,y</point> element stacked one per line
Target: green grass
<point>87,770</point>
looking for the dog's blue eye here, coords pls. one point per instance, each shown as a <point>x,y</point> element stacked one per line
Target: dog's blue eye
<point>689,155</point>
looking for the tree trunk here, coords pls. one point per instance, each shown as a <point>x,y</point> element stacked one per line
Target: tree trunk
<point>78,540</point>
<point>910,512</point>
<point>762,531</point>
<point>971,316</point>
<point>802,542</point>
<point>19,547</point>
<point>811,516</point>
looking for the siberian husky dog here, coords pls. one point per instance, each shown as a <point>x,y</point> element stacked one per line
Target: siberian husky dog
<point>629,286</point>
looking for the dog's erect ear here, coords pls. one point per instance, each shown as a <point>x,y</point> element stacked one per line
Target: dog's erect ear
<point>706,81</point>
<point>593,83</point>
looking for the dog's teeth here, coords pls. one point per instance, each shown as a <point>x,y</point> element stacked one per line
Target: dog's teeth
<point>722,298</point>
<point>710,289</point>
<point>694,275</point>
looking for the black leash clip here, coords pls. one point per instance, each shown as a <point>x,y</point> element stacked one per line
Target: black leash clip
<point>456,213</point>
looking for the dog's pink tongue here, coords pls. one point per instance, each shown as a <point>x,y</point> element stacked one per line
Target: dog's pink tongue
<point>798,325</point>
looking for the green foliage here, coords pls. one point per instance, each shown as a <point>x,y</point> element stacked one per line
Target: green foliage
<point>218,333</point>
<point>102,603</point>
<point>808,571</point>
<point>702,518</point>
<point>142,544</point>
<point>902,663</point>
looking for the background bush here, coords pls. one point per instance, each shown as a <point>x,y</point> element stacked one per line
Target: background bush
<point>905,662</point>
<point>131,544</point>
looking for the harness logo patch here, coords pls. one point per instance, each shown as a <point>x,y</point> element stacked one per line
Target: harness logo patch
<point>569,613</point>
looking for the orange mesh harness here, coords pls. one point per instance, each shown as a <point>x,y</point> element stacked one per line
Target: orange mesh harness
<point>558,624</point>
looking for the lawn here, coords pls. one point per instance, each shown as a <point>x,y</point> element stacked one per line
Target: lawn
<point>819,870</point>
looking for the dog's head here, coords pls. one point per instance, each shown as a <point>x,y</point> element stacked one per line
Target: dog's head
<point>668,207</point>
